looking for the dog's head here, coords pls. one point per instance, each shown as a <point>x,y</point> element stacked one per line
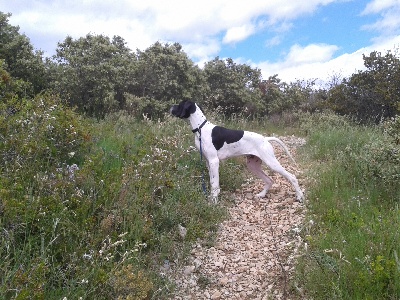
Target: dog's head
<point>184,109</point>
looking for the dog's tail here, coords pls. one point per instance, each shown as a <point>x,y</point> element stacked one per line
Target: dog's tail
<point>282,144</point>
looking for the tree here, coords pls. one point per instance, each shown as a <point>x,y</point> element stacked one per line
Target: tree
<point>93,73</point>
<point>373,94</point>
<point>272,94</point>
<point>22,61</point>
<point>165,73</point>
<point>232,86</point>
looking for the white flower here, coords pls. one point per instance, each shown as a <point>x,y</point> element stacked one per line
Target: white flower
<point>87,256</point>
<point>296,230</point>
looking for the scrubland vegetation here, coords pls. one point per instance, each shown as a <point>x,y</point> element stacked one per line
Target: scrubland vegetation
<point>95,177</point>
<point>352,227</point>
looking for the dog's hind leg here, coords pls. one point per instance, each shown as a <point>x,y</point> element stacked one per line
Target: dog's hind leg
<point>254,165</point>
<point>275,166</point>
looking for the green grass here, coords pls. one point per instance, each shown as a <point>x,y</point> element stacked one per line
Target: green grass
<point>103,230</point>
<point>353,206</point>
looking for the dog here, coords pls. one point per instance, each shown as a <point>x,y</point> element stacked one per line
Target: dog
<point>219,143</point>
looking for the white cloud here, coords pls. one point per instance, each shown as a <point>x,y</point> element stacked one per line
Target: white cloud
<point>343,66</point>
<point>377,6</point>
<point>142,23</point>
<point>237,34</point>
<point>296,66</point>
<point>310,62</point>
<point>389,10</point>
<point>276,40</point>
<point>202,52</point>
<point>313,53</point>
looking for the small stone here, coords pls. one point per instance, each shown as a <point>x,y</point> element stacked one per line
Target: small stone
<point>216,295</point>
<point>223,281</point>
<point>197,263</point>
<point>189,270</point>
<point>182,231</point>
<point>249,196</point>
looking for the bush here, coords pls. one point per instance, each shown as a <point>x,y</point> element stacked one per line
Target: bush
<point>391,127</point>
<point>42,133</point>
<point>140,107</point>
<point>97,223</point>
<point>353,209</point>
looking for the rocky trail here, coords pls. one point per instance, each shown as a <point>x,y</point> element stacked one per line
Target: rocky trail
<point>256,246</point>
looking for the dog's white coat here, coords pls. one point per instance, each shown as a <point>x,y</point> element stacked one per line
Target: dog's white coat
<point>256,147</point>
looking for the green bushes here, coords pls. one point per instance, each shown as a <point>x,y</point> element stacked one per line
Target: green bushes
<point>91,209</point>
<point>352,233</point>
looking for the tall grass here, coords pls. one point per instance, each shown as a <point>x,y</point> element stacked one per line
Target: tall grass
<point>91,209</point>
<point>353,223</point>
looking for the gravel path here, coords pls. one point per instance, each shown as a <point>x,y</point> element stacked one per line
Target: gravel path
<point>256,247</point>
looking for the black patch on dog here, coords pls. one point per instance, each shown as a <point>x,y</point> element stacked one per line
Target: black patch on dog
<point>220,135</point>
<point>184,109</point>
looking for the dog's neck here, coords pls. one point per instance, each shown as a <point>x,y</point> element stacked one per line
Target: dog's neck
<point>197,119</point>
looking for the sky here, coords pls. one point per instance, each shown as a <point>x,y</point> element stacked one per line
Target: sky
<point>297,40</point>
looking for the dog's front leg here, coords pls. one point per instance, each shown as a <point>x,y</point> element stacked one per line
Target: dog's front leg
<point>213,169</point>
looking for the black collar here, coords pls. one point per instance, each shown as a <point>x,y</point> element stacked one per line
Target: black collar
<point>198,129</point>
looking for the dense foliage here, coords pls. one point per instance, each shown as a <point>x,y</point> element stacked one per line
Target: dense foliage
<point>352,228</point>
<point>93,211</point>
<point>23,62</point>
<point>93,73</point>
<point>373,94</point>
<point>99,75</point>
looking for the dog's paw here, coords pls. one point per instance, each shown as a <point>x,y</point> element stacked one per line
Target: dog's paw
<point>300,197</point>
<point>214,195</point>
<point>261,194</point>
<point>214,199</point>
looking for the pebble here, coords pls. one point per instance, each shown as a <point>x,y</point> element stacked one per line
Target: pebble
<point>216,295</point>
<point>189,270</point>
<point>223,281</point>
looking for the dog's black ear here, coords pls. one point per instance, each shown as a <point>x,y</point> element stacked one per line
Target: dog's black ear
<point>186,109</point>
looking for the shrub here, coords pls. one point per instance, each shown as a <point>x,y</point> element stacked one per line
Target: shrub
<point>353,204</point>
<point>43,132</point>
<point>391,127</point>
<point>96,224</point>
<point>130,285</point>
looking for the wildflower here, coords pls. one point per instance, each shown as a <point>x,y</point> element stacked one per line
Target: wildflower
<point>71,171</point>
<point>71,154</point>
<point>296,230</point>
<point>87,256</point>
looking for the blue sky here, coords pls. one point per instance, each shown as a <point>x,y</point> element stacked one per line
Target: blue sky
<point>313,39</point>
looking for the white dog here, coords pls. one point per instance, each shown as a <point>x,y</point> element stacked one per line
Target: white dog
<point>218,143</point>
